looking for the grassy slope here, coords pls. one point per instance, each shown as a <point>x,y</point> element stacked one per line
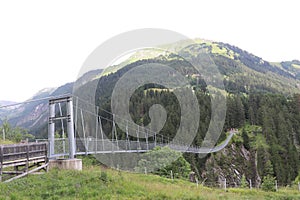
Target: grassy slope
<point>92,183</point>
<point>5,142</point>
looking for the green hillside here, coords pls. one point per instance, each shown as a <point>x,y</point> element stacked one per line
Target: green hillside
<point>96,182</point>
<point>242,71</point>
<point>5,142</point>
<point>259,94</point>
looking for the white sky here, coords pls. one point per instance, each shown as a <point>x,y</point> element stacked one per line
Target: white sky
<point>44,43</point>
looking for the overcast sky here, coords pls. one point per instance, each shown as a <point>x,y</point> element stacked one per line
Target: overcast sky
<point>44,43</point>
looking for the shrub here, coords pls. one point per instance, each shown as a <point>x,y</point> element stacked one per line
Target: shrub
<point>268,183</point>
<point>103,177</point>
<point>162,161</point>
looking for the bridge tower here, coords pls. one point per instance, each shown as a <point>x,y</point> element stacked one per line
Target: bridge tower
<point>70,125</point>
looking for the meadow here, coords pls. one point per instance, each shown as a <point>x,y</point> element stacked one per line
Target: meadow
<point>99,182</point>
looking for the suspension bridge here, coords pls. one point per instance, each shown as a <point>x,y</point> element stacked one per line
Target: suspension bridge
<point>84,137</point>
<point>81,132</point>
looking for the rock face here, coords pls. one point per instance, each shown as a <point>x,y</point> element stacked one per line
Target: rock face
<point>231,163</point>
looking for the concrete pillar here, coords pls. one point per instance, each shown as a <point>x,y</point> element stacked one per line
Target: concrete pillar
<point>66,164</point>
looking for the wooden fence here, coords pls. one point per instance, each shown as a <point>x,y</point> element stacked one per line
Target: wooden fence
<point>21,159</point>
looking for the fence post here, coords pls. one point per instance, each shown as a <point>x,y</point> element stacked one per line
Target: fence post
<point>172,175</point>
<point>250,184</point>
<point>299,186</point>
<point>225,185</point>
<point>27,157</point>
<point>276,186</point>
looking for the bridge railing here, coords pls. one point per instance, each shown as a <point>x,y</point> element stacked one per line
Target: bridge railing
<point>92,145</point>
<point>97,145</point>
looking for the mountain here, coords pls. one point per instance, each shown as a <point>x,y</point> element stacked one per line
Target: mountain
<point>4,111</point>
<point>33,116</point>
<point>5,103</point>
<point>262,102</point>
<point>88,76</point>
<point>242,71</point>
<point>292,67</point>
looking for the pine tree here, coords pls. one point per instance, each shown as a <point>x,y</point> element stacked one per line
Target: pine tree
<point>244,183</point>
<point>246,139</point>
<point>268,169</point>
<point>268,184</point>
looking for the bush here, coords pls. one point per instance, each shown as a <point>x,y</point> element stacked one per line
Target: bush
<point>268,184</point>
<point>104,177</point>
<point>162,161</point>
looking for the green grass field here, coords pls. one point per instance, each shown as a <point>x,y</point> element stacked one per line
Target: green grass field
<point>96,182</point>
<point>100,183</point>
<point>5,142</point>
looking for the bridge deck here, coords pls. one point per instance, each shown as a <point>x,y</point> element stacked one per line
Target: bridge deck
<point>106,146</point>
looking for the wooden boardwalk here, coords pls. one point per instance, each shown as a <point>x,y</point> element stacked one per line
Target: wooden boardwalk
<point>18,160</point>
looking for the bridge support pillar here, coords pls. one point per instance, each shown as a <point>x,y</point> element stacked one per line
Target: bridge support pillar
<point>70,128</point>
<point>70,125</point>
<point>69,164</point>
<point>51,127</point>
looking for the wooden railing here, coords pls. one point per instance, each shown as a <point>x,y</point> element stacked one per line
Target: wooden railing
<point>15,156</point>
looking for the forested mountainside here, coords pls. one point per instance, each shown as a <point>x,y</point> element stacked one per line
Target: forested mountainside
<point>262,102</point>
